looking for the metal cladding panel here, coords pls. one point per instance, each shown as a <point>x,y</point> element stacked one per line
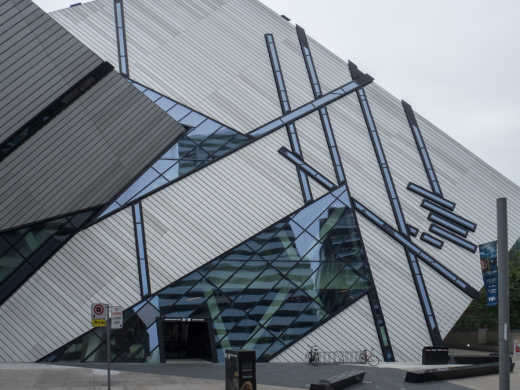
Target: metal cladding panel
<point>406,166</point>
<point>86,155</point>
<point>220,64</point>
<point>395,287</point>
<point>93,24</point>
<point>351,330</point>
<point>359,161</point>
<point>472,184</point>
<point>53,307</point>
<point>209,212</point>
<point>314,146</point>
<point>448,302</point>
<point>39,61</point>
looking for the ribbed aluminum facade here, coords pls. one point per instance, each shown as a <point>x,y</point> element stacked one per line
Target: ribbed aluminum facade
<point>211,56</point>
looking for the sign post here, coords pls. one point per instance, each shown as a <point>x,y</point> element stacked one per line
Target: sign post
<point>108,353</point>
<point>503,295</point>
<point>101,318</point>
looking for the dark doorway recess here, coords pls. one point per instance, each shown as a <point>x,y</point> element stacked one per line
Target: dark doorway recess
<point>187,339</point>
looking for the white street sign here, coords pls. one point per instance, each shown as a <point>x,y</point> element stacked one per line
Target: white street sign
<point>116,317</point>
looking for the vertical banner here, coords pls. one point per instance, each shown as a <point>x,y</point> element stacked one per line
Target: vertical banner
<point>488,264</point>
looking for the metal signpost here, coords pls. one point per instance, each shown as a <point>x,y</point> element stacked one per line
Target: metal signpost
<point>503,295</point>
<point>110,318</point>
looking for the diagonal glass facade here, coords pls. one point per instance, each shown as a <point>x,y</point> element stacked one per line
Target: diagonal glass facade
<point>204,142</point>
<point>24,250</point>
<point>264,294</point>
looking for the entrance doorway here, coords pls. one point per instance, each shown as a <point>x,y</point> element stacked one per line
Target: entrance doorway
<point>187,339</point>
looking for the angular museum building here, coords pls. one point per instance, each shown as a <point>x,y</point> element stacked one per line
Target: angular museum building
<point>230,183</point>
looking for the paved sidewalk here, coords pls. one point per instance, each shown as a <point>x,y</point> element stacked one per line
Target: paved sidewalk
<point>50,377</point>
<point>194,376</point>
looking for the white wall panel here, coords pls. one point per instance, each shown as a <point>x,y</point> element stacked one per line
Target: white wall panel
<point>399,302</point>
<point>53,307</point>
<point>206,66</point>
<point>358,158</point>
<point>448,301</point>
<point>193,221</point>
<point>351,330</point>
<point>314,145</point>
<point>93,24</point>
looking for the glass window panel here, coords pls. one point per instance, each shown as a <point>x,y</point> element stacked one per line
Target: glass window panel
<point>248,299</point>
<point>154,357</point>
<point>303,243</point>
<point>193,119</point>
<point>241,253</point>
<point>301,272</point>
<point>153,336</point>
<point>230,317</point>
<point>129,344</point>
<point>279,246</point>
<point>260,239</point>
<point>79,219</point>
<point>9,262</point>
<point>307,215</point>
<point>141,183</point>
<point>221,136</point>
<point>163,165</point>
<point>174,152</point>
<point>243,277</point>
<point>178,112</point>
<point>172,173</point>
<point>148,314</point>
<point>273,350</point>
<point>269,278</point>
<point>260,341</point>
<point>196,153</point>
<point>121,40</point>
<point>138,86</point>
<point>308,319</point>
<point>153,96</point>
<point>144,279</point>
<point>200,133</point>
<point>165,103</point>
<point>160,181</point>
<point>222,272</point>
<point>4,246</point>
<point>188,166</point>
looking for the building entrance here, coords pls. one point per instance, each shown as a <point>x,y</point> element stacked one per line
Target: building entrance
<point>187,339</point>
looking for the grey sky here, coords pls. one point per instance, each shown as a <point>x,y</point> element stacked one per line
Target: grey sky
<point>456,62</point>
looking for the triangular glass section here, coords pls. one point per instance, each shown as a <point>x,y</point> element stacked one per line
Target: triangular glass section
<point>205,140</point>
<point>271,290</point>
<point>24,250</point>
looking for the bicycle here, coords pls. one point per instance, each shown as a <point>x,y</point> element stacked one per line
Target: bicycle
<point>313,356</point>
<point>368,357</point>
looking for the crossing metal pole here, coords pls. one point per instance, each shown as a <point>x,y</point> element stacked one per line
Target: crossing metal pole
<point>503,294</point>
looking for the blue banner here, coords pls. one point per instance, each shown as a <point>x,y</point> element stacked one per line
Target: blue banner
<point>488,264</point>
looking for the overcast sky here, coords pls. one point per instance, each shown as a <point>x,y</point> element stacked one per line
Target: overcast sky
<point>456,62</point>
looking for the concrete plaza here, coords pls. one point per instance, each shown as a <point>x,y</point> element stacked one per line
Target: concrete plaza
<point>209,376</point>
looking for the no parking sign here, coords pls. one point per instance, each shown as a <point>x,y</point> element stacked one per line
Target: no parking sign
<point>99,313</point>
